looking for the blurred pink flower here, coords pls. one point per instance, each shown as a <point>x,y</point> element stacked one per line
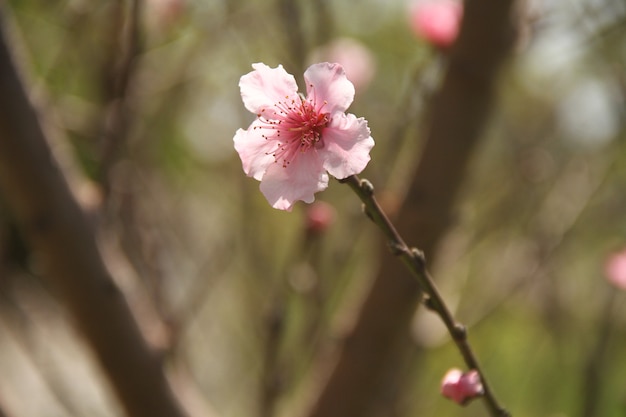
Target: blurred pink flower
<point>615,269</point>
<point>437,21</point>
<point>319,217</point>
<point>461,387</point>
<point>295,142</point>
<point>355,58</point>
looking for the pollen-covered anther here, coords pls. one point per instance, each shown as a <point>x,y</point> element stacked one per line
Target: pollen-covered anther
<point>301,126</point>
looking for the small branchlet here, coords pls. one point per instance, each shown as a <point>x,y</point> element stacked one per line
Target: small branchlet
<point>419,257</point>
<point>416,262</point>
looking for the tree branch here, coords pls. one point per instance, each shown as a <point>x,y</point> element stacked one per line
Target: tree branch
<point>415,261</point>
<point>67,254</point>
<point>459,111</point>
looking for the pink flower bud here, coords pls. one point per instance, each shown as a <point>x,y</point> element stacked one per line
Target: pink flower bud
<point>437,21</point>
<point>615,269</point>
<point>461,387</point>
<point>319,217</point>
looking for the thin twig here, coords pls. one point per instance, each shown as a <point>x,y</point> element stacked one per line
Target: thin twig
<point>416,263</point>
<point>118,79</point>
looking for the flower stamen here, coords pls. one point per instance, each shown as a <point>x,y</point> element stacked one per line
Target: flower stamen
<point>296,126</point>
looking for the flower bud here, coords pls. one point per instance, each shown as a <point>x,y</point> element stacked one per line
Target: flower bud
<point>461,387</point>
<point>437,21</point>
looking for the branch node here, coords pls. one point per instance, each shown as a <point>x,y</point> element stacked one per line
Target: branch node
<point>460,332</point>
<point>418,254</point>
<point>419,257</point>
<point>367,187</point>
<point>428,303</point>
<point>396,248</point>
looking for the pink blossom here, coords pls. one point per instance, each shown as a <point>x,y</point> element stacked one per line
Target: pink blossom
<point>615,269</point>
<point>461,387</point>
<point>295,142</point>
<point>437,21</point>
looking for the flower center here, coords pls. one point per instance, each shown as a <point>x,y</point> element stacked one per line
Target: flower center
<point>295,126</point>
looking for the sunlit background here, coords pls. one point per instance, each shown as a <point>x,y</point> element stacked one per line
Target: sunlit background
<point>240,298</point>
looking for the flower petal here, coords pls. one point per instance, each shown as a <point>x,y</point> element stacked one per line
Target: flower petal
<point>254,150</point>
<point>300,180</point>
<point>265,87</point>
<point>347,145</point>
<point>327,86</point>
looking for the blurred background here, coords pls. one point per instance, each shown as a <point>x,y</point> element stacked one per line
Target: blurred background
<point>140,101</point>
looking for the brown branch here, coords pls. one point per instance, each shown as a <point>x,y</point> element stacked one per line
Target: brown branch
<point>67,254</point>
<point>290,12</point>
<point>415,261</point>
<point>374,347</point>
